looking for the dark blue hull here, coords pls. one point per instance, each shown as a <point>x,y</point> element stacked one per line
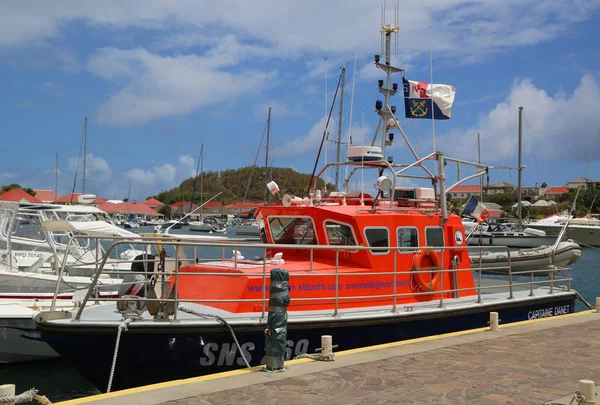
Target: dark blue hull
<point>151,355</point>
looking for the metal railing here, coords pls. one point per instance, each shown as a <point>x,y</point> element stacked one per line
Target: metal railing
<point>503,287</point>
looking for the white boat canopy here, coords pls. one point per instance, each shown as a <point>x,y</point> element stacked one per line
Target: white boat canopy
<point>543,203</point>
<point>523,204</point>
<point>98,229</point>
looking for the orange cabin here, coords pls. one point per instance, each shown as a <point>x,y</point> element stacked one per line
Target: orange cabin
<point>360,282</point>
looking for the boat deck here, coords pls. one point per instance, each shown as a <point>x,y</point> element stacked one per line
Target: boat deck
<point>526,363</point>
<point>495,291</point>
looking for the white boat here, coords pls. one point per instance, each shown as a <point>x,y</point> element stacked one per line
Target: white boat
<point>247,228</point>
<point>21,340</point>
<point>585,231</point>
<point>526,261</point>
<point>172,224</point>
<point>505,235</point>
<point>36,244</point>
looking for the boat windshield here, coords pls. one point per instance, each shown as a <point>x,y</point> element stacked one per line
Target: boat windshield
<point>293,230</point>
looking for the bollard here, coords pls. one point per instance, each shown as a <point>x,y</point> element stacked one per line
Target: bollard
<point>326,344</point>
<point>597,304</point>
<point>493,321</point>
<point>7,389</point>
<point>276,332</point>
<point>587,388</point>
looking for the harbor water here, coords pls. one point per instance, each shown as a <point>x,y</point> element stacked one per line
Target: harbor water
<point>58,381</point>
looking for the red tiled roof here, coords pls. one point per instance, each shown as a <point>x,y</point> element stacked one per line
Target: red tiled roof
<point>239,204</point>
<point>213,204</point>
<point>496,213</point>
<point>153,202</point>
<point>72,199</point>
<point>556,190</point>
<point>18,196</point>
<point>465,188</point>
<point>184,203</point>
<point>128,208</point>
<point>46,195</point>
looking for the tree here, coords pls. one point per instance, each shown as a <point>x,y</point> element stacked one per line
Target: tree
<point>544,185</point>
<point>166,211</point>
<point>15,186</point>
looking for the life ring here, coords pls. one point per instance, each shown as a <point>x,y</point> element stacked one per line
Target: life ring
<point>423,284</point>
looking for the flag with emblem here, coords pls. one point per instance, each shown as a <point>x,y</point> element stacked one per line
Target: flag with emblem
<point>421,99</point>
<point>476,209</point>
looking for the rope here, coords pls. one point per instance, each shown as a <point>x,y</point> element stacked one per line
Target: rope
<point>577,399</point>
<point>317,356</point>
<point>128,317</point>
<point>223,322</point>
<point>587,304</point>
<point>28,396</point>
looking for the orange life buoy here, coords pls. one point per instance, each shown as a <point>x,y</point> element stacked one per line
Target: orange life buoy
<point>423,284</point>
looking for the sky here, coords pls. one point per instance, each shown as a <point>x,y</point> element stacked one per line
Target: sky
<point>157,78</point>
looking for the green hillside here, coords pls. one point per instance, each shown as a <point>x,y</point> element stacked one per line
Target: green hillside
<point>233,183</point>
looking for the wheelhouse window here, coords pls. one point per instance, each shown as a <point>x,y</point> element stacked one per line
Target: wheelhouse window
<point>378,237</point>
<point>27,226</point>
<point>339,234</point>
<point>293,230</point>
<point>434,236</point>
<point>408,237</point>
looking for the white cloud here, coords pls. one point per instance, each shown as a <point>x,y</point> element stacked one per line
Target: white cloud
<point>560,126</point>
<point>309,142</point>
<point>97,169</point>
<point>461,27</point>
<point>278,109</point>
<point>26,105</point>
<point>156,86</point>
<point>5,176</point>
<point>162,176</point>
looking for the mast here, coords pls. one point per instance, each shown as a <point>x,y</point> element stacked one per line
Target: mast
<point>479,161</point>
<point>84,154</point>
<point>520,166</point>
<point>56,178</point>
<point>267,194</point>
<point>129,200</point>
<point>339,136</point>
<point>201,176</point>
<point>196,178</point>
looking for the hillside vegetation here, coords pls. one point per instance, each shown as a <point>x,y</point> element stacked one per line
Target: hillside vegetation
<point>233,184</point>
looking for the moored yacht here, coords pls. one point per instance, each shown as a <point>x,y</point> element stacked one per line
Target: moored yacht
<point>585,231</point>
<point>366,272</point>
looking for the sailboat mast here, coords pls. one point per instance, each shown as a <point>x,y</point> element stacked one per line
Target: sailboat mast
<point>339,136</point>
<point>56,178</point>
<point>481,178</point>
<point>84,154</point>
<point>129,199</point>
<point>201,176</point>
<point>520,166</point>
<point>266,194</point>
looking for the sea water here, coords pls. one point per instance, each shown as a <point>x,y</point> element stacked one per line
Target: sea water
<point>58,381</point>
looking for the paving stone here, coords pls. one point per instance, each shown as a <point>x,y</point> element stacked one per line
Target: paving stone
<point>519,369</point>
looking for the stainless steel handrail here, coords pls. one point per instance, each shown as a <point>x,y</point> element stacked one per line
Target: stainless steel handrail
<point>337,274</point>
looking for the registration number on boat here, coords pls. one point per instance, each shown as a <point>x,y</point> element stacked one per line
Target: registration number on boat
<point>227,354</point>
<point>20,255</point>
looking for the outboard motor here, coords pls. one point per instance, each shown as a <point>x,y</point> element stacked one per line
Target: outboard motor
<point>133,284</point>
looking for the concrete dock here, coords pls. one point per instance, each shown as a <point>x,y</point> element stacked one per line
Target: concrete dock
<point>529,362</point>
